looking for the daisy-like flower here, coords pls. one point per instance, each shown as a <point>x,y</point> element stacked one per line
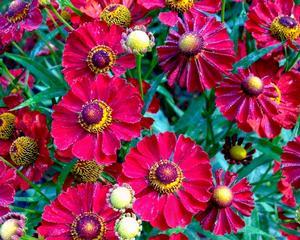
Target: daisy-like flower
<point>124,13</point>
<point>175,236</point>
<point>272,22</point>
<point>95,116</point>
<point>20,16</point>
<point>7,190</point>
<point>235,153</point>
<point>12,226</point>
<point>93,49</point>
<point>79,213</point>
<point>197,54</point>
<point>28,151</point>
<point>230,199</point>
<point>259,100</point>
<point>170,176</point>
<point>187,7</point>
<point>290,162</point>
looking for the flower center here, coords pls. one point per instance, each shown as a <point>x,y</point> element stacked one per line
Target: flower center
<point>88,226</point>
<point>253,86</point>
<point>128,227</point>
<point>222,196</point>
<point>165,177</point>
<point>86,171</point>
<point>190,43</point>
<point>24,151</point>
<point>100,59</point>
<point>95,116</point>
<point>116,14</point>
<point>180,6</point>
<point>7,126</point>
<point>9,228</point>
<point>238,153</point>
<point>17,11</point>
<point>138,41</point>
<point>121,197</point>
<point>285,28</point>
<point>277,99</point>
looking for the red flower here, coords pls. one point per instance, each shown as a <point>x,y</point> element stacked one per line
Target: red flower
<point>285,189</point>
<point>28,151</point>
<point>229,197</point>
<point>197,54</point>
<point>290,162</point>
<point>290,224</point>
<point>175,236</point>
<point>7,191</point>
<point>93,49</point>
<point>187,7</point>
<point>270,22</point>
<point>79,213</point>
<point>171,179</point>
<point>95,116</point>
<point>259,100</point>
<point>124,13</point>
<point>21,16</point>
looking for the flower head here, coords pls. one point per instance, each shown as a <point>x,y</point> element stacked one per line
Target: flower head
<point>95,116</point>
<point>128,227</point>
<point>12,226</point>
<point>121,197</point>
<point>165,173</point>
<point>229,197</point>
<point>197,54</point>
<point>20,16</point>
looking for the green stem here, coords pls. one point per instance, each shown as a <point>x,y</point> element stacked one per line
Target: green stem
<point>223,10</point>
<point>60,17</point>
<point>139,72</point>
<point>21,175</point>
<point>20,209</point>
<point>19,49</point>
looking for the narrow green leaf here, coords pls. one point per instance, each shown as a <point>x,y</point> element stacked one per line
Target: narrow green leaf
<point>253,57</point>
<point>63,176</point>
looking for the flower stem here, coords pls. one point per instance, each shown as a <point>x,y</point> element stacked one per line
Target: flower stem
<point>139,72</point>
<point>60,17</point>
<point>19,49</point>
<point>223,10</point>
<point>21,175</point>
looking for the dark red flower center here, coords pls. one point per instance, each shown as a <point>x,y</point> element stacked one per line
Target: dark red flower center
<point>95,116</point>
<point>116,14</point>
<point>17,11</point>
<point>100,59</point>
<point>222,196</point>
<point>24,151</point>
<point>288,21</point>
<point>180,6</point>
<point>88,226</point>
<point>165,176</point>
<point>252,85</point>
<point>191,43</point>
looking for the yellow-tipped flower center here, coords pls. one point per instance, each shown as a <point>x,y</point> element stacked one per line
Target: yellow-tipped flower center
<point>285,28</point>
<point>222,196</point>
<point>121,198</point>
<point>165,177</point>
<point>190,43</point>
<point>253,85</point>
<point>7,126</point>
<point>238,153</point>
<point>8,229</point>
<point>95,116</point>
<point>24,151</point>
<point>86,171</point>
<point>180,6</point>
<point>116,14</point>
<point>138,41</point>
<point>128,227</point>
<point>17,11</point>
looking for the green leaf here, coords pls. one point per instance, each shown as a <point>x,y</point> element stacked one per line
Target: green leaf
<point>63,176</point>
<point>253,57</point>
<point>256,231</point>
<point>39,71</point>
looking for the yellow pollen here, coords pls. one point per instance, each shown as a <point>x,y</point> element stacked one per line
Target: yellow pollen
<point>278,98</point>
<point>86,171</point>
<point>285,28</point>
<point>223,196</point>
<point>190,43</point>
<point>116,14</point>
<point>7,127</point>
<point>138,41</point>
<point>17,11</point>
<point>238,153</point>
<point>89,227</point>
<point>180,6</point>
<point>24,151</point>
<point>255,83</point>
